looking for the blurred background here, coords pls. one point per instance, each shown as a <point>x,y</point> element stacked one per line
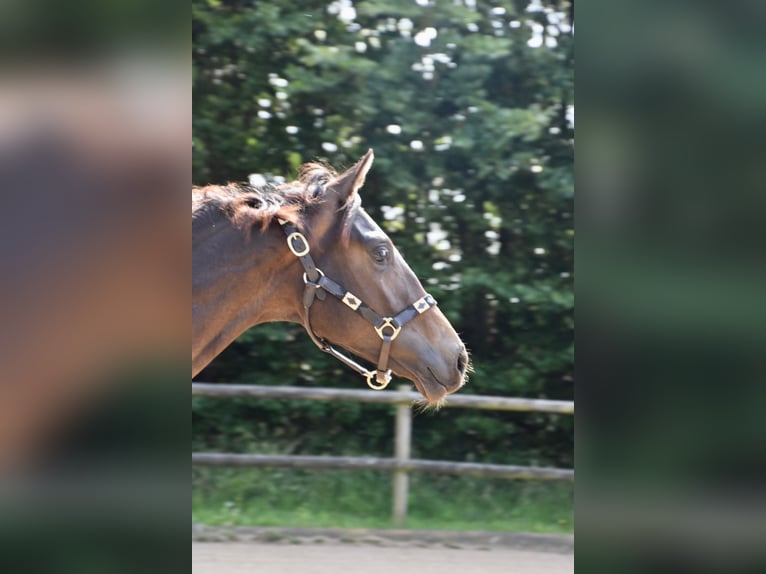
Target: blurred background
<point>670,317</point>
<point>469,106</point>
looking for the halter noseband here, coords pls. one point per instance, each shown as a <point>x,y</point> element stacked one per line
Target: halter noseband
<point>387,328</point>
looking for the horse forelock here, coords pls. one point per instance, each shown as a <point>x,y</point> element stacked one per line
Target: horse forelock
<point>315,176</point>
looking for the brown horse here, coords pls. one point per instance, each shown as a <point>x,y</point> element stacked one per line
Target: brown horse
<point>308,253</point>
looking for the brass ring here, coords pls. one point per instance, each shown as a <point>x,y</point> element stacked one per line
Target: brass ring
<point>388,322</point>
<point>311,283</point>
<point>377,386</point>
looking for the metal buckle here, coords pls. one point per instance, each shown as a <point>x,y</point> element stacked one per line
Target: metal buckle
<point>377,385</point>
<point>298,235</point>
<point>388,322</point>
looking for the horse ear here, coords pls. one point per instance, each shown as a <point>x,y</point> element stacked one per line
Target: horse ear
<point>351,180</point>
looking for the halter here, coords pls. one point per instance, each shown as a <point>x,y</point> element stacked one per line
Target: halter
<point>387,328</point>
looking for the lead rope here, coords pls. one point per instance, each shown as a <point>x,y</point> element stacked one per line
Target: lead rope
<point>387,328</point>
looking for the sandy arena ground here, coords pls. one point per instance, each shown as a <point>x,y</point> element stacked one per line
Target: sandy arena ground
<point>290,552</point>
<point>265,558</point>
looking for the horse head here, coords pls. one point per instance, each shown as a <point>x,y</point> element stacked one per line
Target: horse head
<point>361,295</point>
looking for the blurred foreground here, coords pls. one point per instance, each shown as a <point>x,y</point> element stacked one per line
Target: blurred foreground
<point>93,243</point>
<point>94,263</point>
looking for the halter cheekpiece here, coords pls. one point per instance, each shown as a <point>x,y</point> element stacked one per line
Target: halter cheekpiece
<point>387,328</point>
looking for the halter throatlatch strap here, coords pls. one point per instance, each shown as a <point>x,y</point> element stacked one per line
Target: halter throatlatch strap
<point>317,284</point>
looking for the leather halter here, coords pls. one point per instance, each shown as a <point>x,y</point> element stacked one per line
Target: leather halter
<point>387,328</point>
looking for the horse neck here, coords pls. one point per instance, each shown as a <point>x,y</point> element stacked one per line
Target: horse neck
<point>238,282</point>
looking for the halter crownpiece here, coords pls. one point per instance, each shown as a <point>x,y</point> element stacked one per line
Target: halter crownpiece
<point>387,328</point>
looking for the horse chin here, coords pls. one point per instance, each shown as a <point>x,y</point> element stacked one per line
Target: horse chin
<point>433,391</point>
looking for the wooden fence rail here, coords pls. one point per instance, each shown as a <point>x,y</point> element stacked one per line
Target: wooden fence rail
<point>372,463</point>
<point>377,397</point>
<point>401,465</point>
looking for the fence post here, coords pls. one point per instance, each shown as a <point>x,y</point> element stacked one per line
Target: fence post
<point>402,438</point>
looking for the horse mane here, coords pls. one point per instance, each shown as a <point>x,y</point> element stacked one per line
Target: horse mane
<point>247,206</point>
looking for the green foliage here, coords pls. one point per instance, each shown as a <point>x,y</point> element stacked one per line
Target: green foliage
<point>361,499</point>
<point>479,173</point>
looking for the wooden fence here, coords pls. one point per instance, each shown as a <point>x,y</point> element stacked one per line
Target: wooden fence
<point>401,464</point>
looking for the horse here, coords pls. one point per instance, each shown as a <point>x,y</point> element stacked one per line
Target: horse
<point>306,252</point>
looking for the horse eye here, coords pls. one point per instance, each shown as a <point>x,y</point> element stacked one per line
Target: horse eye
<point>381,254</point>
